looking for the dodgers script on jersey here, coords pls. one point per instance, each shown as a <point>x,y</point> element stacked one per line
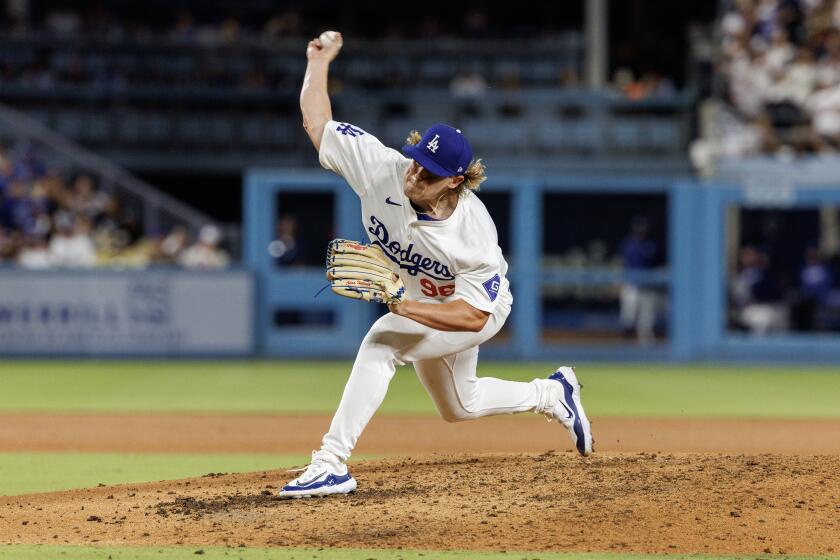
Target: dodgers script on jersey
<point>437,260</point>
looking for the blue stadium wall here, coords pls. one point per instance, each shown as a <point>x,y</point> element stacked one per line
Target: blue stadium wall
<point>694,277</point>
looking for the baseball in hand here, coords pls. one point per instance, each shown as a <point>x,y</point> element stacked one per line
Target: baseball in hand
<point>329,38</point>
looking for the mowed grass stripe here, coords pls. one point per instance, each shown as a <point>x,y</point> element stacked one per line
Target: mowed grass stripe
<point>672,390</point>
<point>39,552</point>
<point>26,473</point>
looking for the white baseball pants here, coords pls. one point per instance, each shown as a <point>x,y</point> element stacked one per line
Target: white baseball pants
<point>446,364</point>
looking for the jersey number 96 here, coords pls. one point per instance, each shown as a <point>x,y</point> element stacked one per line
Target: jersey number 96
<point>431,290</point>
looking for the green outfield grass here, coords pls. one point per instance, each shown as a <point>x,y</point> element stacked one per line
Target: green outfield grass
<point>24,473</point>
<point>28,552</point>
<point>314,387</point>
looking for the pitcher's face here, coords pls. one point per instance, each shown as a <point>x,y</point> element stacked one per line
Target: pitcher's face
<point>422,185</point>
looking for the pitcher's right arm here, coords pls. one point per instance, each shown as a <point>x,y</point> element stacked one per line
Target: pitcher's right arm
<point>314,98</point>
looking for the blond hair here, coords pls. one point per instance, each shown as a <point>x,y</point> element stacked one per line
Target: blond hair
<point>473,176</point>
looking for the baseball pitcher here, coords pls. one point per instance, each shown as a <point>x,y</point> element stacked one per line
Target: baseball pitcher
<point>433,258</point>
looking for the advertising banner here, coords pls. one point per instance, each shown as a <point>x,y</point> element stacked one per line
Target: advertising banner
<point>165,313</point>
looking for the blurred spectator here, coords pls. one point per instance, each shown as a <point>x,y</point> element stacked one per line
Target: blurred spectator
<point>35,254</point>
<point>638,303</point>
<point>119,221</point>
<point>468,85</point>
<point>173,245</point>
<point>467,88</point>
<point>85,200</point>
<point>72,245</point>
<point>815,284</point>
<point>9,244</point>
<point>205,253</point>
<point>17,205</point>
<point>283,25</point>
<point>6,166</point>
<point>286,249</point>
<point>823,104</point>
<point>649,84</point>
<point>779,53</point>
<point>28,165</point>
<point>757,301</point>
<point>229,30</point>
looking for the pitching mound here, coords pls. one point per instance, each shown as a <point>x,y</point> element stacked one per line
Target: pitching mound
<point>610,502</point>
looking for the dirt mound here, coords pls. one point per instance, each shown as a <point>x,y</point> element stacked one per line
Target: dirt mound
<point>744,504</point>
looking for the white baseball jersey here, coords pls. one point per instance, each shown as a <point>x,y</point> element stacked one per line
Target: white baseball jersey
<point>437,260</point>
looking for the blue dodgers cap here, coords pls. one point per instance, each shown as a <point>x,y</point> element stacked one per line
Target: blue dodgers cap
<point>443,150</point>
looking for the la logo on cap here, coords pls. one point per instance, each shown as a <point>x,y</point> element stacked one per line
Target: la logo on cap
<point>433,145</point>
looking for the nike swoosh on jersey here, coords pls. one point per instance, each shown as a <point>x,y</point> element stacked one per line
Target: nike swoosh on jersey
<point>391,202</point>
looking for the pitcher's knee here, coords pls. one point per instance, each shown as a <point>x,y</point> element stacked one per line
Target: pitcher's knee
<point>458,405</point>
<point>451,417</point>
<point>454,414</point>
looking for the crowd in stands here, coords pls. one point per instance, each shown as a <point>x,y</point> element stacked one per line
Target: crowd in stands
<point>48,220</point>
<point>234,57</point>
<point>214,22</point>
<point>780,71</point>
<point>228,65</point>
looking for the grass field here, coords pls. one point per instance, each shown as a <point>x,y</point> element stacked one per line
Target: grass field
<point>315,387</point>
<point>24,473</point>
<point>307,387</point>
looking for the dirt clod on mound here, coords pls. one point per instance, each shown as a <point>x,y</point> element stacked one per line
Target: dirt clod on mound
<point>642,503</point>
<point>221,504</point>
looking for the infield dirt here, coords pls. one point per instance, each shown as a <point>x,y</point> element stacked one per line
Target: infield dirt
<point>406,435</point>
<point>644,503</point>
<point>737,501</point>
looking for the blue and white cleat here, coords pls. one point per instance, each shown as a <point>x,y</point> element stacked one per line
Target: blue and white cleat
<point>325,475</point>
<point>562,403</point>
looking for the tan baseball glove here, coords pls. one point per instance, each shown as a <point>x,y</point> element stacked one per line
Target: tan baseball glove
<point>360,271</point>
